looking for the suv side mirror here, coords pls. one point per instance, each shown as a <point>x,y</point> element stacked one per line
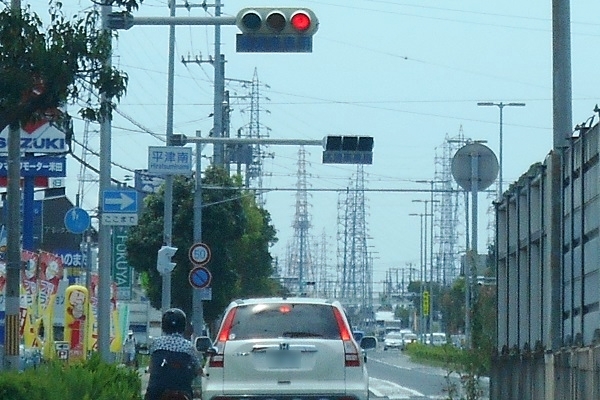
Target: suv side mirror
<point>368,342</point>
<point>202,343</point>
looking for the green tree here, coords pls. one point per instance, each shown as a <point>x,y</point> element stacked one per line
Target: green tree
<point>452,306</point>
<point>238,232</point>
<point>43,67</point>
<point>414,288</point>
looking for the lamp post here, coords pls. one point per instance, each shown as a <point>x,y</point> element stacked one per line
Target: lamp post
<point>501,106</point>
<point>431,200</point>
<point>429,324</point>
<point>422,216</point>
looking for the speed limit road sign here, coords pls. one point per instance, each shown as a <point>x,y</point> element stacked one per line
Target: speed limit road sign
<point>199,253</point>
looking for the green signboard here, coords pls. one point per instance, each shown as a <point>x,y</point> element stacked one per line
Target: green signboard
<point>121,271</point>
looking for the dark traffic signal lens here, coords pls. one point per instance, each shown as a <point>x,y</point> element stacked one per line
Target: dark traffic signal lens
<point>350,143</point>
<point>251,21</point>
<point>365,143</point>
<point>333,143</point>
<point>276,21</point>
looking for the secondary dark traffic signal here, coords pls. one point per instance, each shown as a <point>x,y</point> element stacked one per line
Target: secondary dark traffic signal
<point>275,30</point>
<point>348,150</point>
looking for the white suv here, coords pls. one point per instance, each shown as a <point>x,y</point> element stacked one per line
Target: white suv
<point>286,348</point>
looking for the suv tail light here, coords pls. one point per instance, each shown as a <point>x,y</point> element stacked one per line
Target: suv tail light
<point>351,356</point>
<point>218,360</point>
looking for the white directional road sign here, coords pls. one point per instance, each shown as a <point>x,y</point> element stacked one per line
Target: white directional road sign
<point>119,219</point>
<point>169,160</point>
<point>119,201</point>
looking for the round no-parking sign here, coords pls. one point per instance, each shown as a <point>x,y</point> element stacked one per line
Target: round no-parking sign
<point>200,277</point>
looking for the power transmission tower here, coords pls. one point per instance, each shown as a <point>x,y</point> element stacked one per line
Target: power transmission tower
<point>256,153</point>
<point>300,267</point>
<point>450,202</point>
<point>355,274</point>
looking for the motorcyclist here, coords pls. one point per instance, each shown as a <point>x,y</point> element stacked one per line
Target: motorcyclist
<point>173,360</point>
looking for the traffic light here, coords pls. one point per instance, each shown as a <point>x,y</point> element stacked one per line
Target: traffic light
<point>163,261</point>
<point>348,150</point>
<point>275,30</point>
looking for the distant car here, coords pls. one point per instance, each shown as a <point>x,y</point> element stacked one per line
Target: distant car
<point>358,335</point>
<point>438,339</point>
<point>458,341</point>
<point>393,340</point>
<point>285,348</point>
<point>409,338</point>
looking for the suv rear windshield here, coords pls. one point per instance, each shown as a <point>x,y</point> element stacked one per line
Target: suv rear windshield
<point>277,320</point>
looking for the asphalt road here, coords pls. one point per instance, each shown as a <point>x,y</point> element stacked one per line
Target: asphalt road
<point>394,376</point>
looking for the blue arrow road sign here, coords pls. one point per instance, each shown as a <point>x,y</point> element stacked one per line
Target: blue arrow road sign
<point>119,201</point>
<point>77,220</point>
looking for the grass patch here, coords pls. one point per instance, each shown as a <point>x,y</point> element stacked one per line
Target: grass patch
<point>450,357</point>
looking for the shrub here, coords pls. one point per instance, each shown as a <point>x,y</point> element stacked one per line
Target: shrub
<point>87,380</point>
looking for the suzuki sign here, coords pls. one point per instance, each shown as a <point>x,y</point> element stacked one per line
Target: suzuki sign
<point>45,138</point>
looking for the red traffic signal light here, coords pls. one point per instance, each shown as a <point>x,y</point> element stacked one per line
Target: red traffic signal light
<point>277,21</point>
<point>301,21</point>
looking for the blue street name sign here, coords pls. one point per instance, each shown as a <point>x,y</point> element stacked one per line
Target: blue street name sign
<point>273,44</point>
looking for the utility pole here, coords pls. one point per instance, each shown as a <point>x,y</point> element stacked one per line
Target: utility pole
<point>197,306</point>
<point>219,149</point>
<point>168,200</point>
<point>104,251</point>
<point>13,241</point>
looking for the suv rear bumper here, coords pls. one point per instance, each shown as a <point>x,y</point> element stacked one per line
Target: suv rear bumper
<point>285,397</point>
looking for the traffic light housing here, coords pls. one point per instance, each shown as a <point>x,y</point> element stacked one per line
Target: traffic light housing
<point>348,150</point>
<point>163,261</point>
<point>275,30</point>
<point>178,139</point>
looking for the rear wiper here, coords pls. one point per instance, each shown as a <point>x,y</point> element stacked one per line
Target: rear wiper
<point>299,334</point>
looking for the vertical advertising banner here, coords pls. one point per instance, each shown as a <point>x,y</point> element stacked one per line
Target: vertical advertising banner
<point>2,299</point>
<point>121,271</point>
<point>77,310</point>
<point>116,337</point>
<point>31,321</point>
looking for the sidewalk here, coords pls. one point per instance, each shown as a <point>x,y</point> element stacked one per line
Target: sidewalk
<point>144,377</point>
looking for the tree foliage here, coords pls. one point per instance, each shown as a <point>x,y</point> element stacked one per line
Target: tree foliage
<point>44,67</point>
<point>238,232</point>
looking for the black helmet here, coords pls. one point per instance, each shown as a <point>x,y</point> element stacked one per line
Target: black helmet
<point>173,321</point>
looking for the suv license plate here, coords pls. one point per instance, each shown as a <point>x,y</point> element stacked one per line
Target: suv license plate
<point>284,360</point>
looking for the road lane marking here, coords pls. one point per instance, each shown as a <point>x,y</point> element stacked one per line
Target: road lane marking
<point>391,390</point>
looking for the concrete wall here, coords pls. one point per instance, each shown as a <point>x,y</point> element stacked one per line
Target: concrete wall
<point>548,277</point>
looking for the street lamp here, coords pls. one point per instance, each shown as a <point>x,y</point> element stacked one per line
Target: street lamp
<point>432,182</point>
<point>423,259</point>
<point>429,324</point>
<point>501,106</point>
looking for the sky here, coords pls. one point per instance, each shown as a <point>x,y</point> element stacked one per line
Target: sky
<point>408,73</point>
